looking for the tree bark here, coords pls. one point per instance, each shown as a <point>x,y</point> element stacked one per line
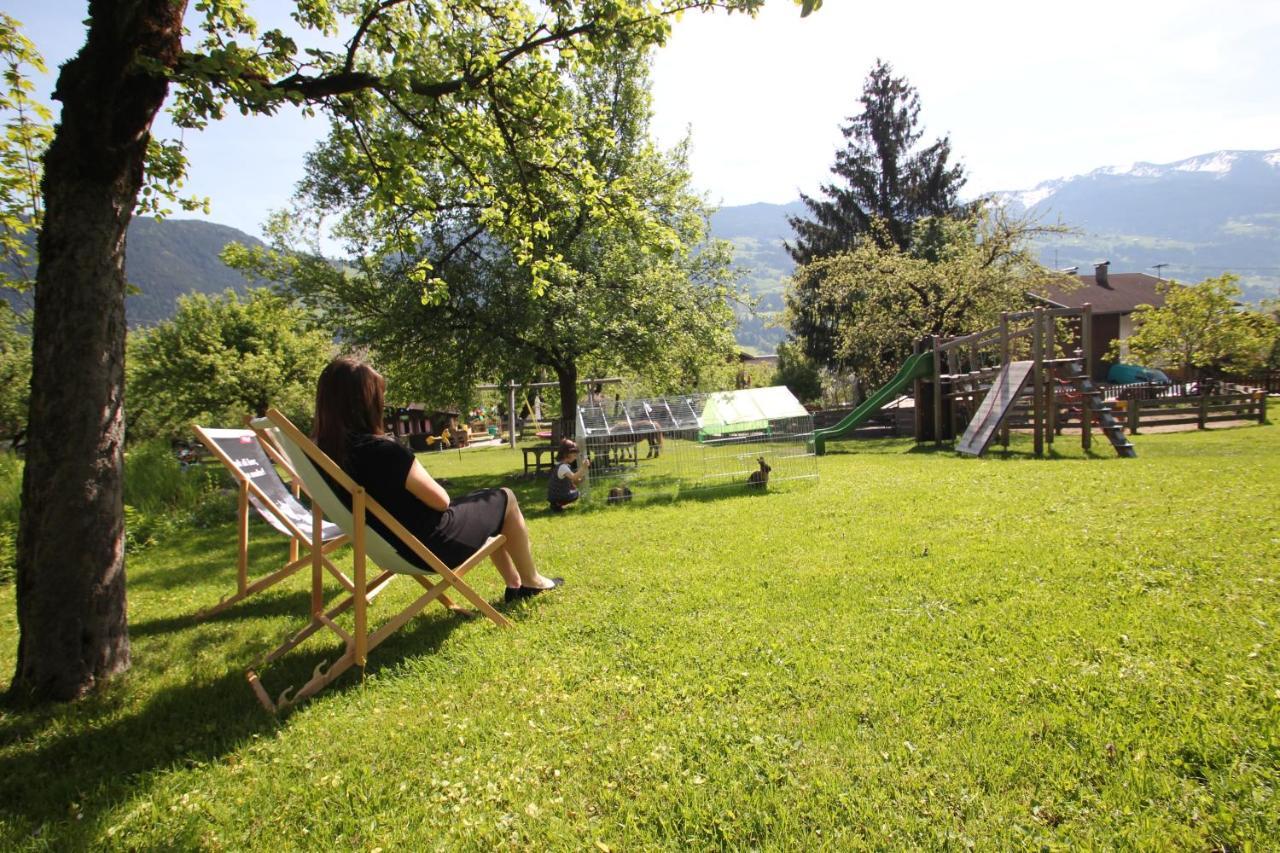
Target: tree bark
<point>567,376</point>
<point>71,582</point>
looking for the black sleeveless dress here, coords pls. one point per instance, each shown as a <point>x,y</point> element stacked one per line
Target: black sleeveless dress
<point>381,465</point>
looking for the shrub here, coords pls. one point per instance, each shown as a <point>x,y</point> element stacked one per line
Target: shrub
<point>219,359</point>
<point>10,504</point>
<point>798,373</point>
<point>162,496</point>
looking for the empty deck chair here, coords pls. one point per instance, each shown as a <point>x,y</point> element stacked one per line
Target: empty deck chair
<point>309,461</point>
<point>250,461</point>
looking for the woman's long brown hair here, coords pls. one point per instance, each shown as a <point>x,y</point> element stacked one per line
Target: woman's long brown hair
<point>349,399</point>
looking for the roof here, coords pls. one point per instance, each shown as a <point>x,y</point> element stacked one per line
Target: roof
<point>750,406</point>
<point>1120,295</point>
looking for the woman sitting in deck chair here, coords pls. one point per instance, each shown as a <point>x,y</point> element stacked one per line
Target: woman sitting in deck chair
<point>348,428</point>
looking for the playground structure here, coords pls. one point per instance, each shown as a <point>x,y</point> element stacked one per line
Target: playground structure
<point>695,441</point>
<point>512,387</point>
<point>1027,372</point>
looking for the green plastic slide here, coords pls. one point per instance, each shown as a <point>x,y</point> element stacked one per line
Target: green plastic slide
<point>916,367</point>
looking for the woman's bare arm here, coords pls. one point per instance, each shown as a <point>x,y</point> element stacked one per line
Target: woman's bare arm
<point>423,487</point>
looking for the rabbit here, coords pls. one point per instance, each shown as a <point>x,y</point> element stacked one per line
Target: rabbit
<point>619,494</point>
<point>760,478</point>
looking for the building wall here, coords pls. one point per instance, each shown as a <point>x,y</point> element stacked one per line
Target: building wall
<point>1106,329</point>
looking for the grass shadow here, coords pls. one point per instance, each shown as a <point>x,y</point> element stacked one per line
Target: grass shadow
<point>263,605</point>
<point>93,755</point>
<point>928,448</point>
<point>212,557</point>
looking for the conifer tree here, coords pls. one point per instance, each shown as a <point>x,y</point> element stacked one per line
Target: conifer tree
<point>882,175</point>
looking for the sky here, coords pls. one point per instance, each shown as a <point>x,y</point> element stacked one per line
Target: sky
<point>1027,92</point>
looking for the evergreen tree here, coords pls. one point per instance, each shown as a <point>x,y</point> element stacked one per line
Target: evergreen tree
<point>884,177</point>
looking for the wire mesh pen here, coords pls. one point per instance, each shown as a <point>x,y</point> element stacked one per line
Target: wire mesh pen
<point>666,445</point>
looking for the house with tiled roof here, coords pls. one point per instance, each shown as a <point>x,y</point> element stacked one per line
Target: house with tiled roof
<point>1114,296</point>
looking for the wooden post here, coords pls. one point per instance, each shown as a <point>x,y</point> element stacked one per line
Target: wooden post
<point>357,546</point>
<point>1262,408</point>
<point>1086,370</point>
<point>511,413</point>
<point>1086,339</point>
<point>242,566</point>
<point>1133,415</point>
<point>1204,406</point>
<point>1086,422</point>
<point>317,560</point>
<point>917,390</point>
<point>1004,362</point>
<point>937,393</point>
<point>296,490</point>
<point>1037,372</point>
<point>1050,389</point>
<point>953,367</point>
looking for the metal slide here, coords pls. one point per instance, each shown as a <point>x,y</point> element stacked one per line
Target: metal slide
<point>917,367</point>
<point>994,408</point>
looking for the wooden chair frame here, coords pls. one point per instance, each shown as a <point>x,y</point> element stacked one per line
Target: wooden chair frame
<point>309,461</point>
<point>330,538</point>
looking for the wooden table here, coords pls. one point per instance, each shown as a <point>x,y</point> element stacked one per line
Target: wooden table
<point>538,465</point>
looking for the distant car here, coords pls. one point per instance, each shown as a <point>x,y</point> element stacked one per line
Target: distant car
<point>1128,374</point>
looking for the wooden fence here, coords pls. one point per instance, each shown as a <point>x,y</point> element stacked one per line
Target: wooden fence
<point>1200,410</point>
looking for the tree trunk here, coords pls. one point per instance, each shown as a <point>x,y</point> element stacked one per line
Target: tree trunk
<point>567,376</point>
<point>70,585</point>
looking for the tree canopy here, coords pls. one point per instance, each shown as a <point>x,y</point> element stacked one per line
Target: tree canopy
<point>15,375</point>
<point>220,359</point>
<point>878,299</point>
<point>27,130</point>
<point>634,285</point>
<point>882,176</point>
<point>1201,326</point>
<point>885,184</point>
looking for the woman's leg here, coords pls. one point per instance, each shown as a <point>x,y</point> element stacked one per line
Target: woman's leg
<point>517,549</point>
<point>506,568</point>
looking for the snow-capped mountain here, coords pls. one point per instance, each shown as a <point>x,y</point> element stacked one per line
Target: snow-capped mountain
<point>1197,217</point>
<point>1180,199</point>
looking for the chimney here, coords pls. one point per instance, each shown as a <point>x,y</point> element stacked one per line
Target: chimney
<point>1100,273</point>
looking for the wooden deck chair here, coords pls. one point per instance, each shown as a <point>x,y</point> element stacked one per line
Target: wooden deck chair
<point>250,461</point>
<point>309,461</point>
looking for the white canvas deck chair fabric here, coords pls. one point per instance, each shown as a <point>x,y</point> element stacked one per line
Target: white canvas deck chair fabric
<point>250,462</point>
<point>367,544</point>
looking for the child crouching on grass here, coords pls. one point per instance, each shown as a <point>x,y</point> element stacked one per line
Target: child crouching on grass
<point>563,488</point>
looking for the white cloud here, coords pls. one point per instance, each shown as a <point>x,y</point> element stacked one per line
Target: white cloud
<point>1026,92</point>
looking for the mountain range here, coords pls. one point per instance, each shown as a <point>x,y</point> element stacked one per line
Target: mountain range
<point>1194,218</point>
<point>1190,219</point>
<point>167,258</point>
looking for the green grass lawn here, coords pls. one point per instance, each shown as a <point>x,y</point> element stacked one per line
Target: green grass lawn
<point>916,650</point>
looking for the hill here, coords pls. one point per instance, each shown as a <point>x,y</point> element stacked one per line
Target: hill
<point>757,232</point>
<point>1198,217</point>
<point>171,257</point>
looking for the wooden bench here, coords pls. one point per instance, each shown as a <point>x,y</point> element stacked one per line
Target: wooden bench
<point>538,465</point>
